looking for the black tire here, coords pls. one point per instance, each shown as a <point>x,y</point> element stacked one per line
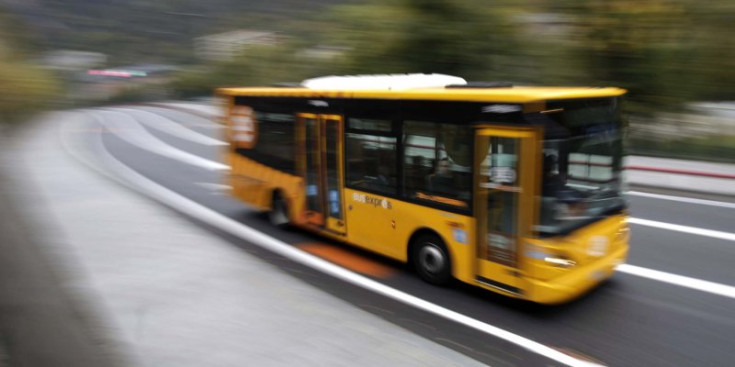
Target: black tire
<point>278,216</point>
<point>431,260</point>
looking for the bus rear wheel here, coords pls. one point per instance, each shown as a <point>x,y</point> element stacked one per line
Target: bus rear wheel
<point>431,260</point>
<point>278,216</point>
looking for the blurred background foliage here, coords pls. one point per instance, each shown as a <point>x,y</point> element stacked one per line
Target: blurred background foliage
<point>667,53</point>
<point>24,87</point>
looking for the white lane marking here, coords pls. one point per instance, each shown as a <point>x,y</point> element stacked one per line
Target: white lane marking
<point>214,186</point>
<point>680,280</point>
<point>684,229</point>
<point>131,131</point>
<point>215,189</point>
<point>172,128</point>
<point>195,107</point>
<point>136,181</point>
<point>683,199</point>
<point>206,123</point>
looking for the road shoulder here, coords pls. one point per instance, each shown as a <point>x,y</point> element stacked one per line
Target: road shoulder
<point>43,321</point>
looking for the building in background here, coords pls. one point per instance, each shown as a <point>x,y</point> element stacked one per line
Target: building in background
<point>323,52</point>
<point>228,45</point>
<point>145,81</point>
<point>71,60</point>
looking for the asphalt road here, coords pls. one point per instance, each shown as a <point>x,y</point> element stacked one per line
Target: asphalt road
<point>627,321</point>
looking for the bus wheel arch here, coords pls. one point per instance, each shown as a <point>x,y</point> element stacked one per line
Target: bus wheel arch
<point>279,213</point>
<point>429,255</point>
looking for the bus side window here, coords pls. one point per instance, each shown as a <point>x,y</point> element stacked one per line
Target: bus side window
<point>372,166</point>
<point>440,154</point>
<point>417,169</point>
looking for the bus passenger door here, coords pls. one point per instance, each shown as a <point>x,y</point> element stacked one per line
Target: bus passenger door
<point>505,185</point>
<point>320,164</point>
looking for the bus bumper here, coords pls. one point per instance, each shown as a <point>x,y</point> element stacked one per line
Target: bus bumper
<point>577,282</point>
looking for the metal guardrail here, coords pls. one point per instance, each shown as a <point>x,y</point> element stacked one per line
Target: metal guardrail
<point>680,172</point>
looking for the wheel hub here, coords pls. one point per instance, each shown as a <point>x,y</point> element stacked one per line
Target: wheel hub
<point>431,258</point>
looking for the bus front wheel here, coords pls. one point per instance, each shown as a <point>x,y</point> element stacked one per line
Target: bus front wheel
<point>278,215</point>
<point>431,260</point>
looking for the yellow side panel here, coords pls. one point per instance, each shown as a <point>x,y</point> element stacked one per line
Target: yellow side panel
<point>385,225</point>
<point>254,183</point>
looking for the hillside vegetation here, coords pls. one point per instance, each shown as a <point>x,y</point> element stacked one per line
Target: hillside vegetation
<point>24,88</point>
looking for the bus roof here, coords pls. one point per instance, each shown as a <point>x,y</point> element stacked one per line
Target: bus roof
<point>515,94</point>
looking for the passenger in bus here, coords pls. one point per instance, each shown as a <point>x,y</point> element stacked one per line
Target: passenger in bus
<point>384,176</point>
<point>552,181</point>
<point>416,171</point>
<point>442,181</point>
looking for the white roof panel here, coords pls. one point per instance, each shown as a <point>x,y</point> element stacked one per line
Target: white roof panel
<point>388,81</point>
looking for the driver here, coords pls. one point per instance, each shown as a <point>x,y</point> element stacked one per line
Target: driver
<point>441,181</point>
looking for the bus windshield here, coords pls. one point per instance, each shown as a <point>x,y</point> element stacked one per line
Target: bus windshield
<point>582,155</point>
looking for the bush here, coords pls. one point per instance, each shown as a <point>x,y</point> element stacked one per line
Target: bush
<point>24,90</point>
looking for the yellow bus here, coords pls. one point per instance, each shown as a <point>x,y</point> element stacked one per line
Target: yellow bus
<point>514,189</point>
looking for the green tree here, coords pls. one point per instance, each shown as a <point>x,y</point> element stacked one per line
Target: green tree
<point>261,65</point>
<point>713,53</point>
<point>464,38</point>
<point>641,46</point>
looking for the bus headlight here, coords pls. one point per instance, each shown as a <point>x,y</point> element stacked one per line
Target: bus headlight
<point>557,261</point>
<point>623,234</point>
<point>540,253</point>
